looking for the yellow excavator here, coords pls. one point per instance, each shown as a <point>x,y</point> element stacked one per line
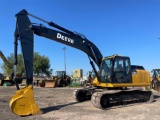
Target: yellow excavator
<point>7,78</point>
<point>110,87</point>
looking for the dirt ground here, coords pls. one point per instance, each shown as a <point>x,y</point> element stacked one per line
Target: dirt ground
<point>58,104</point>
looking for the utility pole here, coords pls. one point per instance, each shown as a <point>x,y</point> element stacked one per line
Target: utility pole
<point>64,58</point>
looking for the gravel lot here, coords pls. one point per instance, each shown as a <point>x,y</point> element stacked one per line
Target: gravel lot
<point>58,104</point>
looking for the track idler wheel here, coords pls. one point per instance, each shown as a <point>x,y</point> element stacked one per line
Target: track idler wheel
<point>100,100</point>
<point>81,95</point>
<point>23,104</point>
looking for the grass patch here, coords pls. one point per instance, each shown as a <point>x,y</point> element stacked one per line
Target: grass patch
<point>74,85</point>
<point>148,88</point>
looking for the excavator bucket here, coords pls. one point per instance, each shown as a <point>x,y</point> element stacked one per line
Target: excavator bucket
<point>23,104</point>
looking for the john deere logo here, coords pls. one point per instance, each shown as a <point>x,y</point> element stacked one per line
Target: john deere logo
<point>64,38</point>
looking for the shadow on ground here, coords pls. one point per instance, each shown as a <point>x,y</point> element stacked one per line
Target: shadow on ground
<point>52,108</point>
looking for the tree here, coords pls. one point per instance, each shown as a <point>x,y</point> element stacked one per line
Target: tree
<point>41,65</point>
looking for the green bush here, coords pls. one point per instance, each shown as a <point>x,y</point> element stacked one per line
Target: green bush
<point>148,88</point>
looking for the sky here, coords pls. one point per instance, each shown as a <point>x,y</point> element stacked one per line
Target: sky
<point>125,27</point>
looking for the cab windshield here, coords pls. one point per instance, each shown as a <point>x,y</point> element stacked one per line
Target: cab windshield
<point>60,73</point>
<point>157,72</point>
<point>105,71</point>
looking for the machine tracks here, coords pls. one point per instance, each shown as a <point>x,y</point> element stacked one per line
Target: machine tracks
<point>106,99</point>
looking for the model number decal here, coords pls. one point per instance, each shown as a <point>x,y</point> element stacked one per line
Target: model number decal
<point>59,36</point>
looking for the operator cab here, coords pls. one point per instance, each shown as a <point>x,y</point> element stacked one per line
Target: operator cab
<point>116,69</point>
<point>61,74</point>
<point>155,73</point>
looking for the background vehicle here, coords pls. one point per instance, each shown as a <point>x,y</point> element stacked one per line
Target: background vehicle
<point>1,78</point>
<point>7,77</point>
<point>155,79</point>
<point>115,71</point>
<point>62,79</point>
<point>59,80</point>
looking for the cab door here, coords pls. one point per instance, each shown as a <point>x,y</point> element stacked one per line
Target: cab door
<point>122,70</point>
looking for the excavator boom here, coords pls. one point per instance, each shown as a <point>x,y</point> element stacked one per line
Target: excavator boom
<point>25,31</point>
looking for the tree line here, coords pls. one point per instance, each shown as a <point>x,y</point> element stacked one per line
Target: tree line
<point>41,65</point>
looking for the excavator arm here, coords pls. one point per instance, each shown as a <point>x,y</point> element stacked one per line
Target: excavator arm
<point>24,33</point>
